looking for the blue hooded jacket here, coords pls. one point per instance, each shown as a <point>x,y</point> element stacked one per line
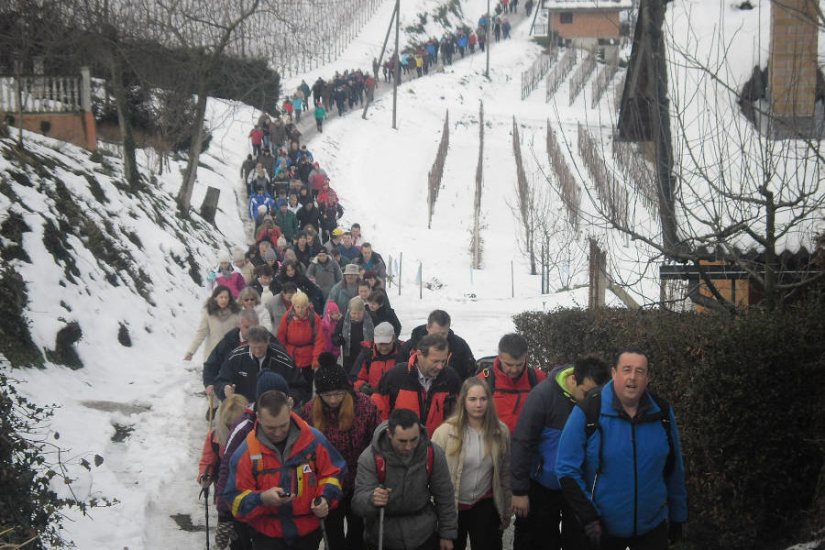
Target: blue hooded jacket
<point>629,491</point>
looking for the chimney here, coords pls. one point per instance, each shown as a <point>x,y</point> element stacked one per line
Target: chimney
<point>792,67</point>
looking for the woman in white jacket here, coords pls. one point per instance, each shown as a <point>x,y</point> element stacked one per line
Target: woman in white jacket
<point>477,445</point>
<point>220,315</point>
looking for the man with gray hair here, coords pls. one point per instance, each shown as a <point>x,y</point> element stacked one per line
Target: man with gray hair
<point>239,373</point>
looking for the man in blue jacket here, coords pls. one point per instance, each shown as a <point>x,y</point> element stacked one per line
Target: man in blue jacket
<point>621,470</point>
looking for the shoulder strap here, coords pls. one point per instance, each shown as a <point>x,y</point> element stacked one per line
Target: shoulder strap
<point>532,377</point>
<point>254,452</point>
<point>381,464</point>
<point>380,467</point>
<point>592,407</point>
<point>664,418</point>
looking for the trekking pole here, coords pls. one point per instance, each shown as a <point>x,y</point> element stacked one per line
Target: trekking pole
<point>211,411</point>
<point>205,495</point>
<point>316,502</point>
<point>381,526</point>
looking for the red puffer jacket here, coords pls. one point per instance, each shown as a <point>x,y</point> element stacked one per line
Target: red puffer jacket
<point>302,338</point>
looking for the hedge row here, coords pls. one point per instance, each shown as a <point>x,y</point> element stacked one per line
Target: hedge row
<point>748,395</point>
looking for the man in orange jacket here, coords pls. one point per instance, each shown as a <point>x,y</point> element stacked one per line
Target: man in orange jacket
<point>423,384</point>
<point>284,478</point>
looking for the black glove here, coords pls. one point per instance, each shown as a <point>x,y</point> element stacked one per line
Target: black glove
<point>593,532</point>
<point>674,533</point>
<point>367,389</point>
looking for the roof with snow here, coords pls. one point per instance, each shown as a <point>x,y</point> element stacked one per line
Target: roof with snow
<point>595,5</point>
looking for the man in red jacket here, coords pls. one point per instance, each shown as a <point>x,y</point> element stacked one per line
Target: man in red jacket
<point>423,384</point>
<point>510,379</point>
<point>283,478</point>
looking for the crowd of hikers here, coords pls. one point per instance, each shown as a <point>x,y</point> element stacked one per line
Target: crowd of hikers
<point>324,424</point>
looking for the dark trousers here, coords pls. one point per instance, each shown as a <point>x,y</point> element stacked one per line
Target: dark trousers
<point>354,539</point>
<point>652,540</point>
<point>540,529</point>
<point>431,544</point>
<point>482,523</point>
<point>243,540</point>
<point>310,541</point>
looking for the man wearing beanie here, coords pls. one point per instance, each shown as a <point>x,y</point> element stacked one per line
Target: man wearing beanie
<point>348,420</point>
<point>267,381</point>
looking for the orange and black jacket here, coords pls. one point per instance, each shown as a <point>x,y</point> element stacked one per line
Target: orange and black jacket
<point>399,388</point>
<point>311,468</point>
<point>370,366</point>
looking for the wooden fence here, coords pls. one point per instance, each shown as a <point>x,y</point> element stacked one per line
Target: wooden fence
<point>568,188</point>
<point>559,73</point>
<point>437,171</point>
<point>579,78</point>
<point>611,192</point>
<point>531,77</point>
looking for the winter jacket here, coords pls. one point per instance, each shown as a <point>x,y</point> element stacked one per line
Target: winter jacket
<point>257,200</point>
<point>303,338</point>
<point>256,135</point>
<point>510,394</point>
<point>386,314</point>
<point>288,223</point>
<point>536,436</point>
<point>632,494</point>
<point>212,365</point>
<point>211,455</point>
<point>400,389</point>
<point>304,256</point>
<point>241,369</point>
<point>277,307</point>
<point>320,113</point>
<point>237,435</point>
<point>309,467</point>
<point>329,329</point>
<point>273,234</point>
<point>352,442</point>
<point>376,263</point>
<point>325,275</point>
<point>370,366</point>
<point>341,294</point>
<point>234,281</point>
<point>447,437</point>
<point>349,335</point>
<point>461,358</point>
<point>212,329</point>
<point>301,281</point>
<point>419,505</point>
<point>298,104</point>
<point>348,254</point>
<point>330,214</point>
<point>309,216</point>
<point>277,132</point>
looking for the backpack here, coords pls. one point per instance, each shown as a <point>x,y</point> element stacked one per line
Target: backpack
<point>592,407</point>
<point>381,464</point>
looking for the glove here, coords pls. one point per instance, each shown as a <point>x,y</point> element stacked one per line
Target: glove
<point>367,389</point>
<point>674,532</point>
<point>211,276</point>
<point>593,533</point>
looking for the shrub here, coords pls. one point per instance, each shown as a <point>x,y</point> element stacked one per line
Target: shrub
<point>746,392</point>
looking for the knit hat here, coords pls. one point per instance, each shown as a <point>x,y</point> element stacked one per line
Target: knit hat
<point>268,380</point>
<point>332,307</point>
<point>270,255</point>
<point>383,333</point>
<point>330,376</point>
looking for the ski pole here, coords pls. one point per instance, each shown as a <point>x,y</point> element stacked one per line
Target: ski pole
<point>211,411</point>
<point>205,495</point>
<point>381,526</point>
<point>316,502</point>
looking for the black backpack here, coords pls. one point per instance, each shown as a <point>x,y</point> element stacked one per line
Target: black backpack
<point>592,406</point>
<point>488,374</point>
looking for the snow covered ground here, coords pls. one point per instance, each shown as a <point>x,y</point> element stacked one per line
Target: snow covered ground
<point>381,175</point>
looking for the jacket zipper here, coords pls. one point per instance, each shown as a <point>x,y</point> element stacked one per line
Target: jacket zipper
<point>635,478</point>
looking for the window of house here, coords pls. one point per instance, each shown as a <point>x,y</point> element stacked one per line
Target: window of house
<point>566,17</point>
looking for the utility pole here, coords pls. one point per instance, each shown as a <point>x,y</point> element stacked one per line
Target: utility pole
<point>487,40</point>
<point>397,68</point>
<point>381,57</point>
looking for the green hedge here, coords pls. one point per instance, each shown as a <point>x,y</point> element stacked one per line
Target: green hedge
<point>748,394</point>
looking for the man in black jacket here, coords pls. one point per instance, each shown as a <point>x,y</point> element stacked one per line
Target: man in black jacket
<point>239,373</point>
<point>247,319</point>
<point>438,322</point>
